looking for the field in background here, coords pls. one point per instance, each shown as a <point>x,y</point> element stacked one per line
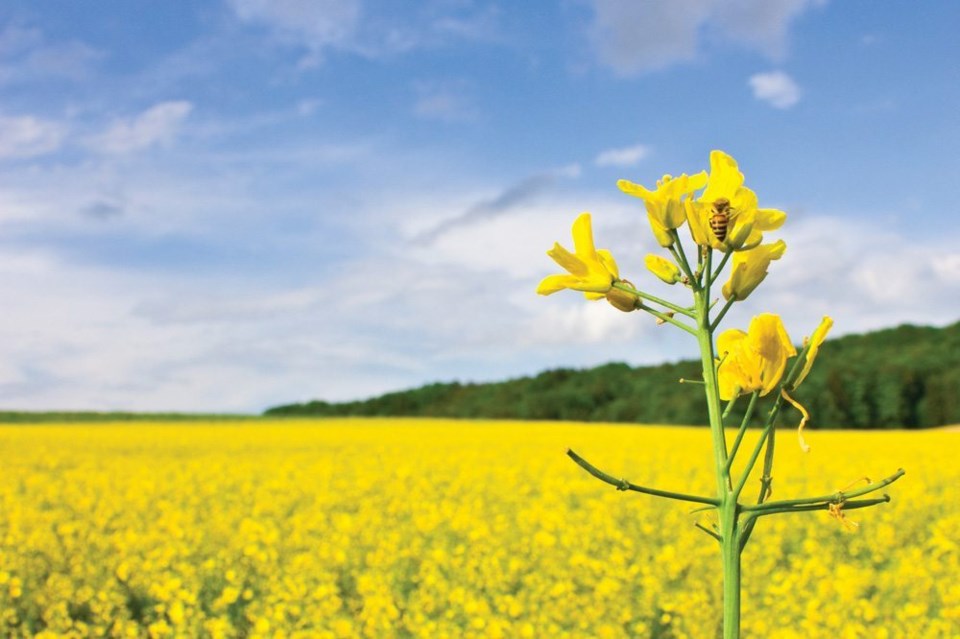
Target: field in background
<point>413,528</point>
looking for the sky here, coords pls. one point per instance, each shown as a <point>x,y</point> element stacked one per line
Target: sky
<point>226,205</point>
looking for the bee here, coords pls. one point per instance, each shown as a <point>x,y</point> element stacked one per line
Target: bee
<point>721,212</point>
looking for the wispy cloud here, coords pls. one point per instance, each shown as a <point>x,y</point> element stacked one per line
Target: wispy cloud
<point>28,136</point>
<point>445,101</point>
<point>315,24</point>
<point>320,26</point>
<point>27,56</point>
<point>507,200</point>
<point>624,156</point>
<point>776,88</point>
<point>157,125</point>
<point>633,37</point>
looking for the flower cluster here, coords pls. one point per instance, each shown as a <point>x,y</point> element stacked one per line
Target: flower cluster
<point>726,217</point>
<point>669,206</point>
<point>727,227</point>
<point>283,529</point>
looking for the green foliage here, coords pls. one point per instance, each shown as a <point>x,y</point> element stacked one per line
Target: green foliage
<point>905,377</point>
<point>73,417</point>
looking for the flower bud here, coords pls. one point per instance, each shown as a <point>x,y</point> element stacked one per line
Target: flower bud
<point>663,268</point>
<point>623,300</point>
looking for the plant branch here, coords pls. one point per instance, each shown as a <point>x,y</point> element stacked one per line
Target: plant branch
<point>743,428</point>
<point>708,531</point>
<point>723,262</point>
<point>723,311</point>
<point>731,403</point>
<point>678,254</point>
<point>656,300</point>
<point>847,505</point>
<point>623,484</point>
<point>833,498</point>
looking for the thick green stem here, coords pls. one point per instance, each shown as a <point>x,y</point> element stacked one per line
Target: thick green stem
<point>705,339</point>
<point>728,509</point>
<point>730,553</point>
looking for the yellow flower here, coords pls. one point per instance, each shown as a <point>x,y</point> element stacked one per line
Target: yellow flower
<point>746,221</point>
<point>663,268</point>
<point>755,360</point>
<point>665,205</point>
<point>590,270</point>
<point>814,341</point>
<point>750,268</point>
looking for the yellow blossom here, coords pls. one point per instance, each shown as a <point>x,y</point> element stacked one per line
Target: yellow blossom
<point>755,360</point>
<point>665,204</point>
<point>750,268</point>
<point>746,222</point>
<point>663,268</point>
<point>590,270</point>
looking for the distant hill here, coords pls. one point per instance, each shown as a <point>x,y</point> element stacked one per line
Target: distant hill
<point>904,377</point>
<point>89,416</point>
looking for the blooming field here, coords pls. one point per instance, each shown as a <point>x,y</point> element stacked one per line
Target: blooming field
<point>367,528</point>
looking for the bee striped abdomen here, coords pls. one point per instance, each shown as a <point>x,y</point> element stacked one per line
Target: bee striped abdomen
<point>720,220</point>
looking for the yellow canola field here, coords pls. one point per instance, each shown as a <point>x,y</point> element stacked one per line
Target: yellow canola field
<point>416,528</point>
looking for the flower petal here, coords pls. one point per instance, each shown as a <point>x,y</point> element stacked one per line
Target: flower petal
<point>635,190</point>
<point>725,178</point>
<point>609,264</point>
<point>769,219</point>
<point>568,261</point>
<point>816,340</point>
<point>583,237</point>
<point>553,283</point>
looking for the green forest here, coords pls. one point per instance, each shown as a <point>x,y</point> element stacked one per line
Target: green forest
<point>904,377</point>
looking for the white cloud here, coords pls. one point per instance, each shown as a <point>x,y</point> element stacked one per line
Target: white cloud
<point>633,37</point>
<point>775,88</point>
<point>314,24</point>
<point>445,101</point>
<point>461,306</point>
<point>626,156</point>
<point>27,136</point>
<point>26,56</point>
<point>158,125</point>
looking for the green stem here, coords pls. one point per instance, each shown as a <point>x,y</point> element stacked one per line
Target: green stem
<point>767,432</point>
<point>623,484</point>
<point>847,505</point>
<point>728,509</point>
<point>656,300</point>
<point>712,391</point>
<point>681,257</point>
<point>665,317</point>
<point>723,311</point>
<point>743,428</point>
<point>723,262</point>
<point>837,497</point>
<point>730,553</point>
<point>732,402</point>
<point>709,532</point>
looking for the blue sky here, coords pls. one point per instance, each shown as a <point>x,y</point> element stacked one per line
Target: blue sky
<point>229,204</point>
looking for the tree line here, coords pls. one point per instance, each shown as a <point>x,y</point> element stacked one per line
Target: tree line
<point>904,377</point>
